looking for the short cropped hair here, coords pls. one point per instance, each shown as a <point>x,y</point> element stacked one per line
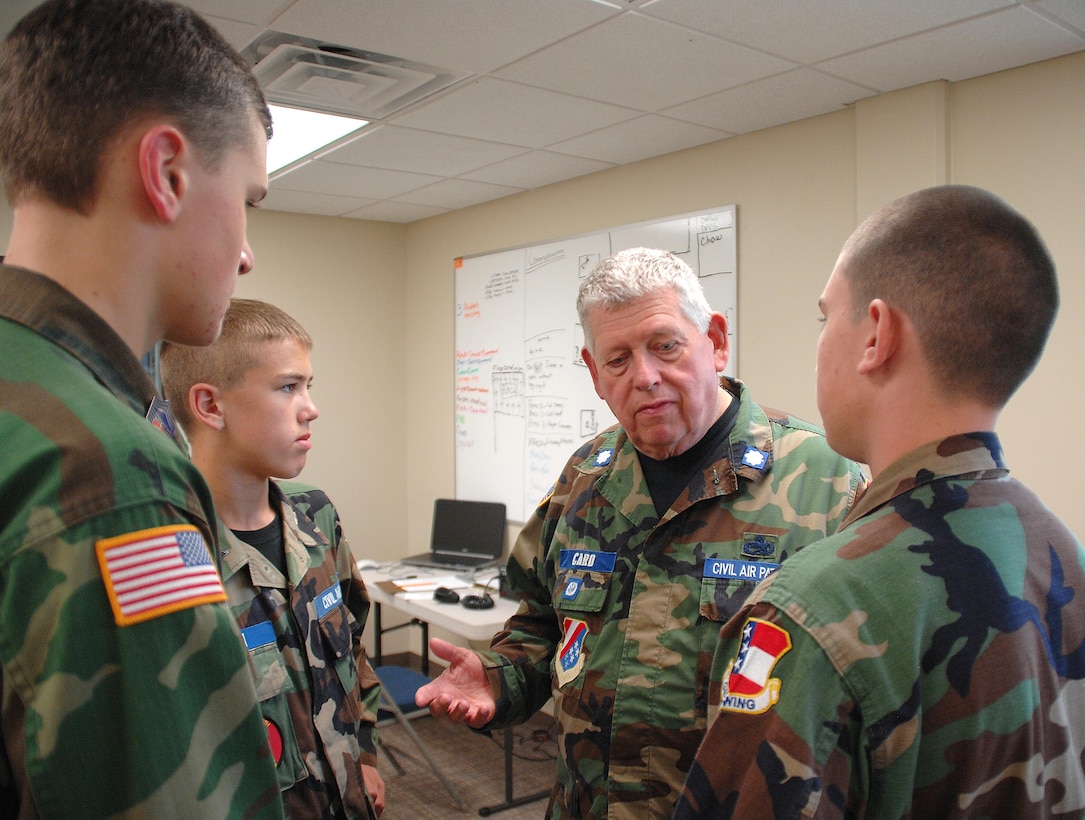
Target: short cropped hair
<point>75,73</point>
<point>247,326</point>
<point>972,275</point>
<point>631,274</point>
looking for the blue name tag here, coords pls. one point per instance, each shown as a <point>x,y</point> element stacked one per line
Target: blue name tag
<point>738,570</point>
<point>257,635</point>
<point>328,600</point>
<point>587,560</point>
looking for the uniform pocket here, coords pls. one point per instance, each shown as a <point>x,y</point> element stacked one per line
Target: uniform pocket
<point>579,599</point>
<point>581,591</point>
<point>726,584</point>
<point>273,674</point>
<point>289,766</point>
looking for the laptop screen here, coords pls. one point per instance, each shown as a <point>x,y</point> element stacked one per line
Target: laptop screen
<point>468,527</point>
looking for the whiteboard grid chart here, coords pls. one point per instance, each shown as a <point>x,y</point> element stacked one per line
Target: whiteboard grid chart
<point>524,398</point>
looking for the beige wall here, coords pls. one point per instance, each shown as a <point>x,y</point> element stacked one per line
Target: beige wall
<point>343,280</point>
<point>378,298</point>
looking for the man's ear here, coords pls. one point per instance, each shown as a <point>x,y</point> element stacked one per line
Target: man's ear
<point>884,327</point>
<point>203,401</point>
<point>163,152</point>
<point>721,345</point>
<point>593,368</point>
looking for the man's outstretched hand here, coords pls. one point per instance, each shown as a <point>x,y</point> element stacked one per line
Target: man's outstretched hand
<point>462,692</point>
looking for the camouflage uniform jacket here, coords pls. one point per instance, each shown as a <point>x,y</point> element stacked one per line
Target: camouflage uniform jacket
<point>620,609</point>
<point>119,697</point>
<point>304,635</point>
<point>926,661</point>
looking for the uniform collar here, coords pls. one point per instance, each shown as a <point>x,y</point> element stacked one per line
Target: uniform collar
<point>746,455</point>
<point>42,305</point>
<point>976,455</point>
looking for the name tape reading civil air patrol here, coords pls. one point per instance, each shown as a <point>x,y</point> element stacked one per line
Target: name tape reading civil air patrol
<point>738,570</point>
<point>328,600</point>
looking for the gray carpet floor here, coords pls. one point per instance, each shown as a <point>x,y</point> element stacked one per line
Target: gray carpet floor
<point>474,765</point>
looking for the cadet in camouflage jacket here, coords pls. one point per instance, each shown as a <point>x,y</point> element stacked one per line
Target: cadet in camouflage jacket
<point>114,703</point>
<point>928,660</point>
<point>621,610</point>
<point>316,688</point>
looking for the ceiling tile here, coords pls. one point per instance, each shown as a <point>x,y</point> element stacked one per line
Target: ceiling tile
<point>772,101</point>
<point>642,63</point>
<point>514,114</point>
<point>535,169</point>
<point>236,34</point>
<point>980,46</point>
<point>307,202</point>
<point>254,12</point>
<point>477,36</point>
<point>422,152</point>
<point>457,193</point>
<point>644,137</point>
<point>350,180</point>
<point>1069,11</point>
<point>814,30</point>
<point>391,211</point>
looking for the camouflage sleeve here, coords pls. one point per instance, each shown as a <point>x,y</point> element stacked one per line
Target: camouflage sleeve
<point>769,753</point>
<point>108,714</point>
<point>358,602</point>
<point>520,660</point>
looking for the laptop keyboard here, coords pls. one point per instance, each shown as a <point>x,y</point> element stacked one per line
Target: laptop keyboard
<point>444,561</point>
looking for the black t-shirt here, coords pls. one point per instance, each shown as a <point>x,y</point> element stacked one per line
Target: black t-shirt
<point>269,541</point>
<point>669,477</point>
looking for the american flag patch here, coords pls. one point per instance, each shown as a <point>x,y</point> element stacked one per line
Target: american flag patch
<point>157,571</point>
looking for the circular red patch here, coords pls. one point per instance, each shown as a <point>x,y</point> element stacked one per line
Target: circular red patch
<point>275,740</point>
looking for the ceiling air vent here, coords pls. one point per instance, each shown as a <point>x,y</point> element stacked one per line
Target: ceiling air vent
<point>322,76</point>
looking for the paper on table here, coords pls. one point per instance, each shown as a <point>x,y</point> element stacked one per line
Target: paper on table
<point>410,586</point>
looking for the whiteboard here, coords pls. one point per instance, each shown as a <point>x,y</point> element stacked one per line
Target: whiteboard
<point>524,398</point>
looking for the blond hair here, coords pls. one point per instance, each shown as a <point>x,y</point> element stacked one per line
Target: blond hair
<point>246,327</point>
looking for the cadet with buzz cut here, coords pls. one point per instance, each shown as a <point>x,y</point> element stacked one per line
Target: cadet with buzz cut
<point>132,140</point>
<point>655,533</point>
<point>928,660</point>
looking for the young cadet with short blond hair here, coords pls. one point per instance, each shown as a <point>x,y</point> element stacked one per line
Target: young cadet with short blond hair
<point>291,580</point>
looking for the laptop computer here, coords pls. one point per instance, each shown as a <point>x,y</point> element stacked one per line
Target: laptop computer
<point>465,535</point>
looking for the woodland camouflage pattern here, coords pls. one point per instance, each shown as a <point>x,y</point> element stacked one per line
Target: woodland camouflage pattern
<point>154,719</point>
<point>309,663</point>
<point>937,666</point>
<point>633,715</point>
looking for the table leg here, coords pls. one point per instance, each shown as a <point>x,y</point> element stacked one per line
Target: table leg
<point>511,802</point>
<point>377,632</point>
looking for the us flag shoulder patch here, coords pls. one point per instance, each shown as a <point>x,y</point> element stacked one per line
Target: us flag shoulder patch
<point>157,571</point>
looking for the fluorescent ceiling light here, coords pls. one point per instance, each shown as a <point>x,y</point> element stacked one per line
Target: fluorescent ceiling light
<point>297,133</point>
